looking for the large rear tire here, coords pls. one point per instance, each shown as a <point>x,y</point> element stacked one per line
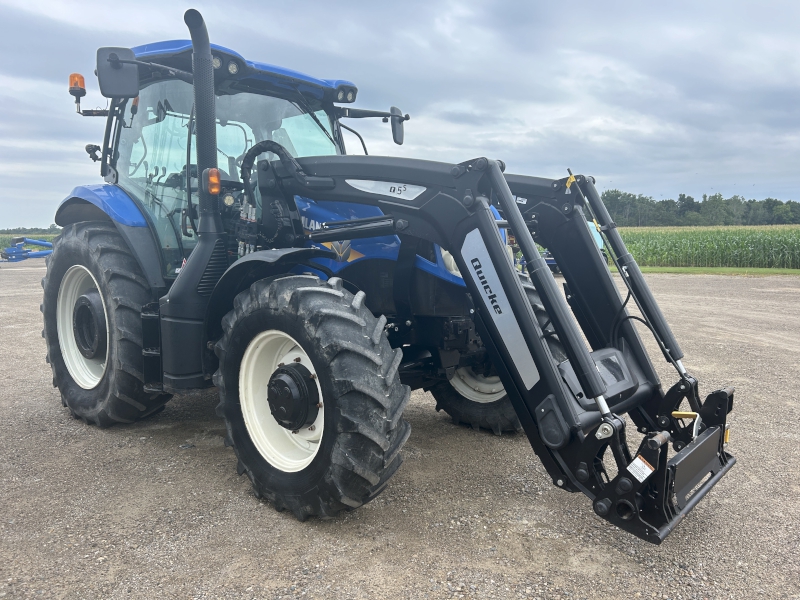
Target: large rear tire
<point>93,295</point>
<point>474,399</point>
<point>340,440</point>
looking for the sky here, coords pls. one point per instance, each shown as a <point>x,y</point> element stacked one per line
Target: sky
<point>650,98</point>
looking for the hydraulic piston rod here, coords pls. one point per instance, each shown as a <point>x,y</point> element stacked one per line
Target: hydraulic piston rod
<point>582,363</point>
<point>630,269</point>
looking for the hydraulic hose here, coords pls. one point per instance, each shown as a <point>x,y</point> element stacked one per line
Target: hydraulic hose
<point>630,270</point>
<point>286,159</point>
<point>288,162</point>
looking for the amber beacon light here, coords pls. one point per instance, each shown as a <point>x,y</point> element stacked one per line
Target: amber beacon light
<point>77,85</point>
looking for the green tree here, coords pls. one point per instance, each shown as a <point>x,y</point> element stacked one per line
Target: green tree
<point>687,204</point>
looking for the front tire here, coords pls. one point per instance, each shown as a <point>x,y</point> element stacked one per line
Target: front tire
<point>93,294</point>
<point>346,444</point>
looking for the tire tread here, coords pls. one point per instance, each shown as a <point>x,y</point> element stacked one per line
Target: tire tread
<point>369,397</point>
<point>125,290</point>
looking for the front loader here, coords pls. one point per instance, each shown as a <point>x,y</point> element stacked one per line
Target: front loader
<point>315,289</point>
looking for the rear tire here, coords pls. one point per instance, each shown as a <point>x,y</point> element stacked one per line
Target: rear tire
<point>478,401</point>
<point>108,387</point>
<point>342,456</point>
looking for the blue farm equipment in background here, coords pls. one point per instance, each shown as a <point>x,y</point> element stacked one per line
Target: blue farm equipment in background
<point>17,251</point>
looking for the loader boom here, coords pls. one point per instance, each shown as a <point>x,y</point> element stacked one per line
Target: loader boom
<point>571,415</point>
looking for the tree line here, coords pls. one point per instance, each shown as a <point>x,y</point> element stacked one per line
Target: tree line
<point>53,229</point>
<point>631,210</point>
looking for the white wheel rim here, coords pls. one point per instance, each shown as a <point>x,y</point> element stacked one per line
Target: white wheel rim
<point>86,372</point>
<point>477,388</point>
<point>284,450</point>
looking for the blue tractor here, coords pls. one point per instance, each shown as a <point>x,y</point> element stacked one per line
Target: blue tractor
<point>235,244</point>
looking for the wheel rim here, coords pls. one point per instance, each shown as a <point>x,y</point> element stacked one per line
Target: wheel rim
<point>86,372</point>
<point>476,387</point>
<point>283,449</point>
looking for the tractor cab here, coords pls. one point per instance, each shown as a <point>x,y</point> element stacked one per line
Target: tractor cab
<point>150,149</point>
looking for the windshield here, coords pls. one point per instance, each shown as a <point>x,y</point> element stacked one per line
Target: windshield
<point>151,154</point>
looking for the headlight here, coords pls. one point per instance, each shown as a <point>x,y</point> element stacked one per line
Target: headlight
<point>350,96</point>
<point>340,96</point>
<point>216,62</point>
<point>233,67</point>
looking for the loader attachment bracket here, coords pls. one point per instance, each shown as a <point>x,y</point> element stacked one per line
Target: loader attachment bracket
<point>652,493</point>
<point>682,427</point>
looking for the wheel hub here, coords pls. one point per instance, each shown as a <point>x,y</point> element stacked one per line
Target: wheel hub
<point>89,324</point>
<point>477,387</point>
<point>293,397</point>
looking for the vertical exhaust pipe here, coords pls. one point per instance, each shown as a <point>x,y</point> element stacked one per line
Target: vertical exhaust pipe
<point>205,116</point>
<point>183,309</point>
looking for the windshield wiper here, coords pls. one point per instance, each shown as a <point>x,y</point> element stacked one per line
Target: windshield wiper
<point>310,112</point>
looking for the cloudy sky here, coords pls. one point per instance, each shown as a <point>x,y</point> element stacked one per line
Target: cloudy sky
<point>649,97</point>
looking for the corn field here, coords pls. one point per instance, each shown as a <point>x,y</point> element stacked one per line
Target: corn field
<point>770,246</point>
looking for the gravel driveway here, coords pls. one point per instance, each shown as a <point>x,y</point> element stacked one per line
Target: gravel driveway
<point>156,510</point>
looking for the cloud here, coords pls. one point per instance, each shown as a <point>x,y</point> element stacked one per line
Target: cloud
<point>650,98</point>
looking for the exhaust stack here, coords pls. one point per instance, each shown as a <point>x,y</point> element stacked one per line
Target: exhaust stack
<point>183,309</point>
<point>205,116</point>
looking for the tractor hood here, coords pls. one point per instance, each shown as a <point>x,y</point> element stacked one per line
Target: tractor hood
<point>232,69</point>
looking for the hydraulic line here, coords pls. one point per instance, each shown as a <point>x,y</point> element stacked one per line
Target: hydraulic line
<point>634,281</point>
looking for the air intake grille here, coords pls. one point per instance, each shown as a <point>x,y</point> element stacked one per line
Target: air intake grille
<point>214,269</point>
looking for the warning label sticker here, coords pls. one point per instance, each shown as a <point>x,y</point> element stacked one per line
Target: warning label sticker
<point>640,468</point>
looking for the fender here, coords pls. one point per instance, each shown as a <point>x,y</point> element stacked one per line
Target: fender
<point>240,276</point>
<point>104,202</point>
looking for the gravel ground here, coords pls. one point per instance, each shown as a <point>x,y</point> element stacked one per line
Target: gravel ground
<point>156,509</point>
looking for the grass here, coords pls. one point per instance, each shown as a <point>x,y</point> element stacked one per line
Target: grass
<point>772,247</point>
<point>744,272</point>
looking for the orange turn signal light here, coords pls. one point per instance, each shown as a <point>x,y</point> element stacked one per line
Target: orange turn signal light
<point>77,85</point>
<point>212,181</point>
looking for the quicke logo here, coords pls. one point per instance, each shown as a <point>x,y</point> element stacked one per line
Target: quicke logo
<point>476,264</point>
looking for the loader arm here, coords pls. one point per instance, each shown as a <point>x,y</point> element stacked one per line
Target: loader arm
<point>571,412</point>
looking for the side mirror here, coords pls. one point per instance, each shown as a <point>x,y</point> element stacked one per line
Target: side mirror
<point>397,119</point>
<point>117,75</point>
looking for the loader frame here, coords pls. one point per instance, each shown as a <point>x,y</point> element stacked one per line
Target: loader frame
<point>570,413</point>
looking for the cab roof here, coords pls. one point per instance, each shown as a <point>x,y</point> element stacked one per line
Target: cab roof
<point>176,52</point>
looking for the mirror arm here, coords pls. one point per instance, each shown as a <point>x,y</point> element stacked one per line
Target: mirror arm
<point>93,112</point>
<point>89,112</point>
<point>360,113</point>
